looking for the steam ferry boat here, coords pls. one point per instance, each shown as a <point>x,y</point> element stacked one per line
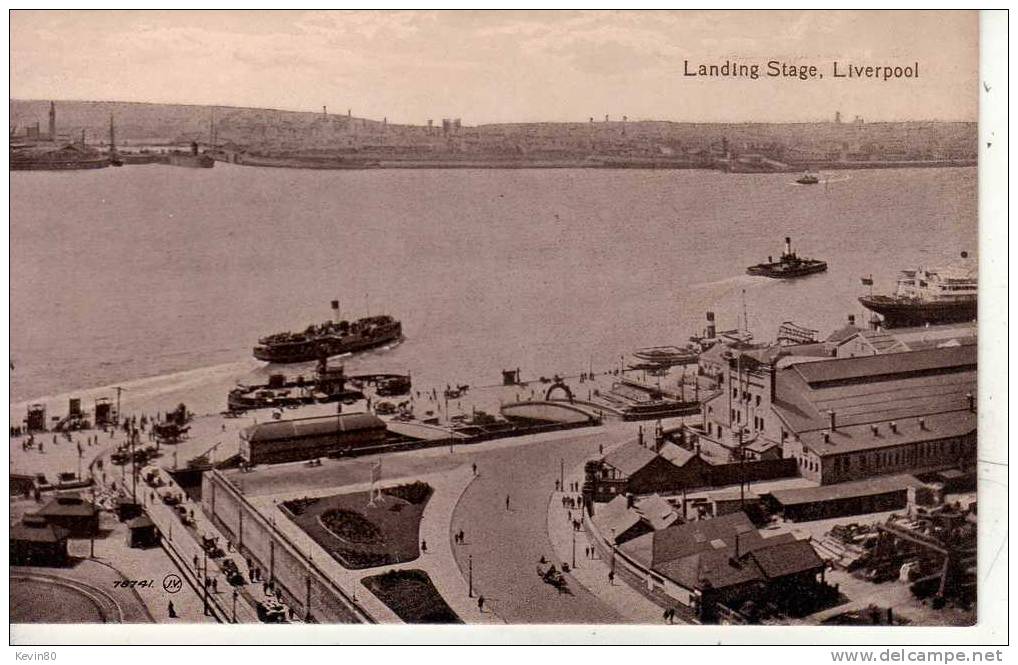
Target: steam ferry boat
<point>929,296</point>
<point>332,338</point>
<point>788,266</point>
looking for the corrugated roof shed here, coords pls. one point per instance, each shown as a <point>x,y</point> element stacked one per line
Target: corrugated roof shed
<point>958,359</point>
<point>846,439</point>
<point>280,430</point>
<point>876,389</point>
<point>861,488</point>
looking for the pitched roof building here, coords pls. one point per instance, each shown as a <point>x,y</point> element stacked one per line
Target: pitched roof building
<point>849,418</point>
<point>724,560</point>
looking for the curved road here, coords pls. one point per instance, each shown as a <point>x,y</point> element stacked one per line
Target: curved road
<point>507,544</point>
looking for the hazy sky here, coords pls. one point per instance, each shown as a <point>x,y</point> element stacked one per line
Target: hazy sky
<point>500,66</point>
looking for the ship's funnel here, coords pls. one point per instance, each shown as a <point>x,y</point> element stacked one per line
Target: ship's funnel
<point>788,246</point>
<point>711,329</point>
<point>335,311</point>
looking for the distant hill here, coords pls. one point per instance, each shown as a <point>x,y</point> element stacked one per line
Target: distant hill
<point>294,134</point>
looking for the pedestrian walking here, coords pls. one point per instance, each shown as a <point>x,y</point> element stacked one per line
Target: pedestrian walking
<point>474,467</point>
<point>195,562</point>
<point>215,585</point>
<point>424,546</point>
<point>171,611</point>
<point>611,578</point>
<point>480,604</point>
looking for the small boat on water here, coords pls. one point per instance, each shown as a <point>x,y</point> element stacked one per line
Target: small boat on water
<point>191,160</point>
<point>808,178</point>
<point>788,266</point>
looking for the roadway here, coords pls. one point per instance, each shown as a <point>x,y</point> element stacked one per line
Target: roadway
<point>506,545</point>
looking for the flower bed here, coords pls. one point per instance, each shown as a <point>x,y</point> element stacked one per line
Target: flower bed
<point>360,534</point>
<point>412,596</point>
<point>350,526</point>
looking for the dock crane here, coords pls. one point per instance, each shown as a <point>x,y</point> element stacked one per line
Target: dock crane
<point>205,459</point>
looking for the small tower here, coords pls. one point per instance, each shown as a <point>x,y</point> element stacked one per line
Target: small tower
<point>52,121</point>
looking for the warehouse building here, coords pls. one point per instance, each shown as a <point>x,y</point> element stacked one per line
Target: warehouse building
<point>874,495</point>
<point>309,438</point>
<point>849,418</point>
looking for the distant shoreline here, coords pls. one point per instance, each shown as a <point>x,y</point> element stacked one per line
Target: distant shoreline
<point>242,159</point>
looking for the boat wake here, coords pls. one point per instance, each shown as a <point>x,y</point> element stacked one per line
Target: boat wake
<point>733,282</point>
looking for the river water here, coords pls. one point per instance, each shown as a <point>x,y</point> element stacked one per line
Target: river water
<point>155,276</point>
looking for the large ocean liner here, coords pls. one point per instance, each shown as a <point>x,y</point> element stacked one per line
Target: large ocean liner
<point>929,296</point>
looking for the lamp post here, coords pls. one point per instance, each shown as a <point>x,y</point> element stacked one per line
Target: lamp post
<point>470,576</point>
<point>613,553</point>
<point>574,547</point>
<point>91,539</point>
<point>205,581</point>
<point>562,474</point>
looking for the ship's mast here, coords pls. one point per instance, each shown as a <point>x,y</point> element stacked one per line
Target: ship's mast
<point>113,138</point>
<point>745,315</point>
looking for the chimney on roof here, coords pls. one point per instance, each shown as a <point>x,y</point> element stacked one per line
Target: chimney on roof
<point>827,436</point>
<point>922,424</point>
<point>832,418</point>
<point>972,401</point>
<point>639,435</point>
<point>630,500</point>
<point>894,427</point>
<point>851,319</point>
<point>875,429</point>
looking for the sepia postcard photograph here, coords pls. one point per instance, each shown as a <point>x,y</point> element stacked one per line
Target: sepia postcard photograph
<point>572,319</point>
